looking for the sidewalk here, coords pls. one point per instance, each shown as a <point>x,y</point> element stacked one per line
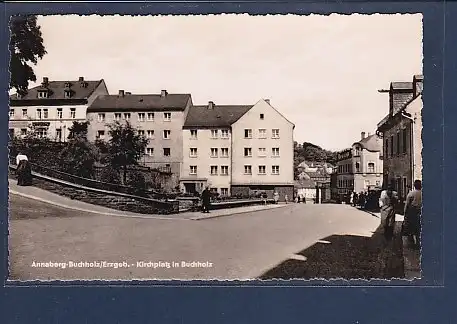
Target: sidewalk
<point>411,257</point>
<point>45,196</point>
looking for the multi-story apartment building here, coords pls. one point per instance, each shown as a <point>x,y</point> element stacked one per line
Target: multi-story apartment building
<point>52,107</point>
<point>159,117</point>
<point>360,167</point>
<point>401,131</point>
<point>239,150</point>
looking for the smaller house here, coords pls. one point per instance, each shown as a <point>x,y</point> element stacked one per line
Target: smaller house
<point>305,188</point>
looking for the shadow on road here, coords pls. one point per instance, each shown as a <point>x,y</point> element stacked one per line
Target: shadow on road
<point>347,257</point>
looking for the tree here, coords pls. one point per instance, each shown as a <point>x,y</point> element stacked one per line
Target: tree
<point>26,46</point>
<point>78,130</point>
<point>125,147</point>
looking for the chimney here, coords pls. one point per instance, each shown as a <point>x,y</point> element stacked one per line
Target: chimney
<point>45,81</point>
<point>210,105</point>
<point>418,84</point>
<point>362,135</point>
<point>163,93</point>
<point>81,79</point>
<point>121,93</point>
<point>267,101</point>
<point>369,134</point>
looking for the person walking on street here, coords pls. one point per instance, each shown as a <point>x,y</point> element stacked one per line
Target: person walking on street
<point>412,212</point>
<point>205,200</point>
<point>388,202</point>
<point>276,197</point>
<point>286,198</point>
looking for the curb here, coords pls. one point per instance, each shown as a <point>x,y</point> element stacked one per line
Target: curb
<point>235,213</point>
<point>114,214</point>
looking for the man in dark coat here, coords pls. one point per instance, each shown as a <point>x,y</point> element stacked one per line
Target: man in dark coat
<point>206,197</point>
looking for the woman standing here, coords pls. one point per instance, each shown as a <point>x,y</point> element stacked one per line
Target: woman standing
<point>388,202</point>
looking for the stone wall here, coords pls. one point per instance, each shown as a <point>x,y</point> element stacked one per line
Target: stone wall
<point>105,198</point>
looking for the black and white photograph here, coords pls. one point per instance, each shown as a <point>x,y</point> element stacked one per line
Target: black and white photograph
<point>215,147</point>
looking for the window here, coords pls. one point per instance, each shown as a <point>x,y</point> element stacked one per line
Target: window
<point>193,169</point>
<point>25,115</point>
<point>262,151</point>
<point>23,131</point>
<point>11,113</point>
<point>59,113</point>
<point>225,133</point>
<point>405,139</point>
<point>166,134</point>
<point>166,151</point>
<point>357,167</point>
<point>150,134</point>
<point>150,116</point>
<point>127,116</point>
<point>275,151</point>
<point>371,167</point>
<point>224,170</point>
<point>38,114</point>
<point>101,134</point>
<point>224,192</point>
<point>45,113</point>
<point>101,117</point>
<point>58,134</point>
<point>150,151</point>
<point>167,116</point>
<point>392,145</point>
<point>247,152</point>
<point>67,94</point>
<point>214,133</point>
<point>224,152</point>
<point>193,152</point>
<point>214,170</point>
<point>387,148</point>
<point>275,133</point>
<point>117,116</point>
<point>357,151</point>
<point>247,169</point>
<point>262,116</point>
<point>262,169</point>
<point>141,117</point>
<point>275,169</point>
<point>73,113</point>
<point>42,132</point>
<point>248,133</point>
<point>193,134</point>
<point>141,132</point>
<point>398,143</point>
<point>214,152</point>
<point>42,94</point>
<point>262,133</point>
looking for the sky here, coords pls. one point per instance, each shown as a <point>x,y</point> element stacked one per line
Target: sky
<point>321,72</point>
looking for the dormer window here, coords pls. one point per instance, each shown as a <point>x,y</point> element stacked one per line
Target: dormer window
<point>67,93</point>
<point>84,84</point>
<point>42,94</point>
<point>67,84</point>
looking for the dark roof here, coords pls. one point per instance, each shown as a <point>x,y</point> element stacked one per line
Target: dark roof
<point>218,116</point>
<point>304,183</point>
<point>371,143</point>
<point>402,85</point>
<point>140,102</point>
<point>56,90</point>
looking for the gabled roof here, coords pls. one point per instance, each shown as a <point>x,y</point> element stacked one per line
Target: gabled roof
<point>304,183</point>
<point>80,89</point>
<point>217,116</point>
<point>140,102</point>
<point>371,143</point>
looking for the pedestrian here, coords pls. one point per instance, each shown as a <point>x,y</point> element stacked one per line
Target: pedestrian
<point>413,209</point>
<point>276,197</point>
<point>264,196</point>
<point>351,199</point>
<point>296,199</point>
<point>355,199</point>
<point>205,200</point>
<point>23,170</point>
<point>21,157</point>
<point>388,202</point>
<point>286,198</point>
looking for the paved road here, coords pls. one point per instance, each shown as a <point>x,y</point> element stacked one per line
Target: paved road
<point>244,246</point>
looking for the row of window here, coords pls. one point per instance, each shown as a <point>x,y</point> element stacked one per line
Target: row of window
<point>347,168</point>
<point>262,152</point>
<point>40,132</point>
<point>150,134</point>
<point>262,169</point>
<point>346,183</point>
<point>214,152</point>
<point>262,133</point>
<point>43,113</point>
<point>141,116</point>
<point>396,144</point>
<point>166,151</point>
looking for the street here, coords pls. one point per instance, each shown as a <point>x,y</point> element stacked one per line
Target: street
<point>296,241</point>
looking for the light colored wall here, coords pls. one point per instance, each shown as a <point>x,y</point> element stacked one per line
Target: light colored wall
<point>251,120</point>
<point>203,161</point>
<point>415,109</point>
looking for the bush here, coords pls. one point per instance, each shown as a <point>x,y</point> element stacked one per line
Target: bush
<point>110,175</point>
<point>136,180</point>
